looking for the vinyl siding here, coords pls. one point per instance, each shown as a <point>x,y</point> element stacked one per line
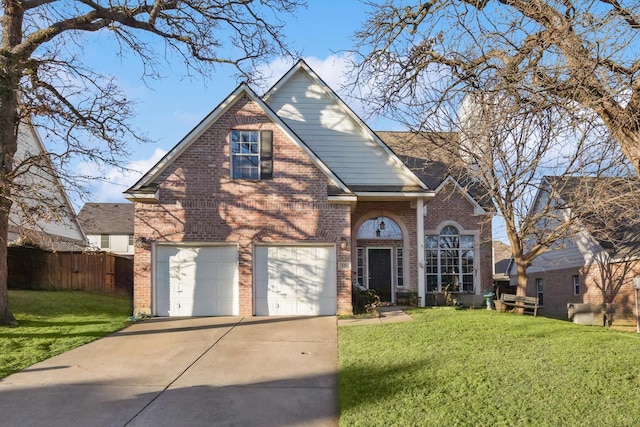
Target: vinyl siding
<point>343,144</point>
<point>43,188</point>
<point>575,252</point>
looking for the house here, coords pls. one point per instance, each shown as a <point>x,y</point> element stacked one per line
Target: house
<point>502,261</point>
<point>41,214</point>
<point>277,204</point>
<point>598,259</point>
<point>109,226</point>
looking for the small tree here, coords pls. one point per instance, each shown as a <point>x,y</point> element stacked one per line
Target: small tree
<point>515,147</point>
<point>42,75</point>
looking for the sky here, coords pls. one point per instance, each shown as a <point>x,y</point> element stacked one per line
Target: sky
<point>167,109</point>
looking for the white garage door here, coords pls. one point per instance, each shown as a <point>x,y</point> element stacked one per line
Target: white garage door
<point>295,280</point>
<point>196,281</point>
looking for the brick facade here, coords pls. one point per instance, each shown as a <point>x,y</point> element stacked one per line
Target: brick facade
<point>447,207</point>
<point>558,288</point>
<point>451,207</point>
<point>198,202</point>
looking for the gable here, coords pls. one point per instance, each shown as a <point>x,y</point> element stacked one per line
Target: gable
<point>203,170</point>
<point>338,137</point>
<point>145,190</point>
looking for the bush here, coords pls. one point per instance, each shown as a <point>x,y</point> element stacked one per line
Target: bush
<point>365,301</point>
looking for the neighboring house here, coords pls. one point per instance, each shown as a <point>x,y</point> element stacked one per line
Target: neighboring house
<point>502,260</point>
<point>41,214</point>
<point>109,226</point>
<point>596,264</point>
<point>276,205</point>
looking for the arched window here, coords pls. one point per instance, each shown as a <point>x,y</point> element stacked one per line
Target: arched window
<point>380,228</point>
<point>449,261</point>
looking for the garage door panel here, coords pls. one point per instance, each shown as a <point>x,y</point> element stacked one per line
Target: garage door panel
<point>196,281</point>
<point>295,280</point>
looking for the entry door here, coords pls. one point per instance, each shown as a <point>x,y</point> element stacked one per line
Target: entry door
<point>380,272</point>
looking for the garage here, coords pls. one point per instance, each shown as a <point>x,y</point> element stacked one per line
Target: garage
<point>196,280</point>
<point>295,280</point>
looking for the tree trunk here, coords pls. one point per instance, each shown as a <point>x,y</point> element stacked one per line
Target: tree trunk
<point>629,141</point>
<point>6,316</point>
<point>10,74</point>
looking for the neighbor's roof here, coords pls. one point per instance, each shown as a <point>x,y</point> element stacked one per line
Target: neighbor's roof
<point>606,207</point>
<point>107,218</point>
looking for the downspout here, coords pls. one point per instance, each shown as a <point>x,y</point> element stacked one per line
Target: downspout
<point>421,210</point>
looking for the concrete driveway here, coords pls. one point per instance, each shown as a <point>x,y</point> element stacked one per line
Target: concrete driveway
<point>216,371</point>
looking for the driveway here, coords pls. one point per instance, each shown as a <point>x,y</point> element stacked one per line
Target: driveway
<point>215,371</point>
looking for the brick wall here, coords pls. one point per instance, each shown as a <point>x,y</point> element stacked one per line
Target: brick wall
<point>198,202</point>
<point>559,290</point>
<point>447,206</point>
<point>450,205</point>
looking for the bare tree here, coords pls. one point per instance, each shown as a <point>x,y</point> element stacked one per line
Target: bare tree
<point>42,74</point>
<point>515,149</point>
<point>579,55</point>
<point>615,227</point>
<point>535,88</point>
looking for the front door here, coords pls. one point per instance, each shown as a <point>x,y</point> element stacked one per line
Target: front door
<point>380,272</point>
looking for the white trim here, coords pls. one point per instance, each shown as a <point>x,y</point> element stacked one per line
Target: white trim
<point>347,198</point>
<point>421,211</point>
<point>387,195</point>
<point>143,197</point>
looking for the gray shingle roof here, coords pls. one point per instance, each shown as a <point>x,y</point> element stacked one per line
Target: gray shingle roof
<point>107,218</point>
<point>607,207</point>
<point>432,157</point>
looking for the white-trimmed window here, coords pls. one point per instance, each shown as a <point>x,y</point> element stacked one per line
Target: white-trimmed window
<point>576,285</point>
<point>251,154</point>
<point>540,290</point>
<point>360,261</point>
<point>399,267</point>
<point>449,261</point>
<point>104,241</point>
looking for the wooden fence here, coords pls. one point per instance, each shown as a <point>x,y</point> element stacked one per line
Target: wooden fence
<point>33,268</point>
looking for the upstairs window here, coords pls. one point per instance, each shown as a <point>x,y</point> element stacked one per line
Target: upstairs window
<point>251,154</point>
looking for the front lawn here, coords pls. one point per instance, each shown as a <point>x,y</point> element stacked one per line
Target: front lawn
<point>483,368</point>
<point>52,322</point>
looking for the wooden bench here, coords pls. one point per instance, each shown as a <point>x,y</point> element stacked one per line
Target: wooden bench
<point>517,301</point>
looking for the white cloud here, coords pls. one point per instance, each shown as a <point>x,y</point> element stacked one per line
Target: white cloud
<point>116,180</point>
<point>334,71</point>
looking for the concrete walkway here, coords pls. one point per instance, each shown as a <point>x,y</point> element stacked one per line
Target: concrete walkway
<point>391,314</point>
<point>186,372</point>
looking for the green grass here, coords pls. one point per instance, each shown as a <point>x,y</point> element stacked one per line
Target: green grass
<point>52,322</point>
<point>483,368</point>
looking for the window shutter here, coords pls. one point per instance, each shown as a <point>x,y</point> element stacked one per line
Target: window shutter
<point>266,154</point>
